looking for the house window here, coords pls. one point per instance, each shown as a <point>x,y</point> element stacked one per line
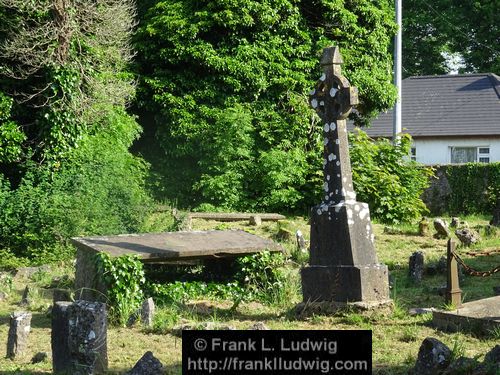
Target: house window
<point>470,154</point>
<point>483,154</point>
<point>463,155</point>
<point>413,154</point>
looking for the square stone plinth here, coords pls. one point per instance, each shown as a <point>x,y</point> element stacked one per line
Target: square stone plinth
<point>361,283</point>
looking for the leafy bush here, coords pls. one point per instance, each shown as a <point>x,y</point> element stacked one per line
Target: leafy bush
<point>262,275</point>
<point>99,189</point>
<point>385,179</point>
<point>180,292</point>
<point>124,279</point>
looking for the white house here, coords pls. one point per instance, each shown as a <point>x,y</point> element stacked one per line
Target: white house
<point>451,118</point>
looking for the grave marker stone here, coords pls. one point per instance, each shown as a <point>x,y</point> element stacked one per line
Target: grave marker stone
<point>148,312</point>
<point>61,359</point>
<point>416,266</point>
<point>343,263</point>
<point>87,337</point>
<point>19,329</point>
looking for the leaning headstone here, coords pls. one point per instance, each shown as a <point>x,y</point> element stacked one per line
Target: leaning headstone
<point>255,220</point>
<point>416,266</point>
<point>61,359</point>
<point>301,242</point>
<point>25,299</point>
<point>433,357</point>
<point>148,312</point>
<point>423,227</point>
<point>455,222</point>
<point>147,365</point>
<point>343,266</point>
<point>441,228</point>
<point>20,326</point>
<point>87,337</point>
<point>467,236</point>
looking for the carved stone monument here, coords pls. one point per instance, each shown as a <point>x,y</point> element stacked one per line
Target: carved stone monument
<point>343,266</point>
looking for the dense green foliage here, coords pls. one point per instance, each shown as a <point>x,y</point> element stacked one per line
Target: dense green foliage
<point>385,179</point>
<point>223,93</point>
<point>124,279</point>
<point>100,190</point>
<point>257,277</point>
<point>475,188</point>
<point>468,28</point>
<point>65,167</point>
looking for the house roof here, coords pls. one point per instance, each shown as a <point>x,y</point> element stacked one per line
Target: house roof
<point>447,105</point>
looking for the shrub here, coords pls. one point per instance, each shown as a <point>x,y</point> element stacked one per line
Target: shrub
<point>385,179</point>
<point>124,278</point>
<point>99,189</point>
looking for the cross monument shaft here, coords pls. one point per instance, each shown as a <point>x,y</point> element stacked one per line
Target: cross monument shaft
<point>343,265</point>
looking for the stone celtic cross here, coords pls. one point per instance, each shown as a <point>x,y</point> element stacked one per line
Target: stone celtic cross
<point>343,265</point>
<point>333,99</point>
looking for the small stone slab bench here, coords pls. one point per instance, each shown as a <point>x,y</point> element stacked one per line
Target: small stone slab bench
<point>222,216</point>
<point>482,315</point>
<point>168,247</point>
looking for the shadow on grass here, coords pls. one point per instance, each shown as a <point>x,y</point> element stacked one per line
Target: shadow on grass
<point>390,370</point>
<point>207,310</point>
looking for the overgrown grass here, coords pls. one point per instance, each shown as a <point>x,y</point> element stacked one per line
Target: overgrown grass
<point>396,337</point>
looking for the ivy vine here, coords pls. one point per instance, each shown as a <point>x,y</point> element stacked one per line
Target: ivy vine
<point>124,279</point>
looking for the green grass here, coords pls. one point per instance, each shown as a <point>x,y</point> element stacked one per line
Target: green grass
<point>396,337</point>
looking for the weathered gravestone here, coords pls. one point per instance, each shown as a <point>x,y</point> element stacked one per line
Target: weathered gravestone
<point>87,337</point>
<point>148,312</point>
<point>20,327</point>
<point>416,266</point>
<point>343,263</point>
<point>441,228</point>
<point>61,359</point>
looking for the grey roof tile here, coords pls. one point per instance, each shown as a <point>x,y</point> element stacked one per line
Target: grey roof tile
<point>447,105</point>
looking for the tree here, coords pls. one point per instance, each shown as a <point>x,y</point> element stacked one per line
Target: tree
<point>223,93</point>
<point>65,167</point>
<point>432,30</point>
<point>62,62</point>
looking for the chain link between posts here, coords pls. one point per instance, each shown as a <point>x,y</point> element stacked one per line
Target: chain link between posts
<point>473,272</point>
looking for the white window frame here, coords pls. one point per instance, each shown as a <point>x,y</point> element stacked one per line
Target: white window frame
<point>413,153</point>
<point>480,153</point>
